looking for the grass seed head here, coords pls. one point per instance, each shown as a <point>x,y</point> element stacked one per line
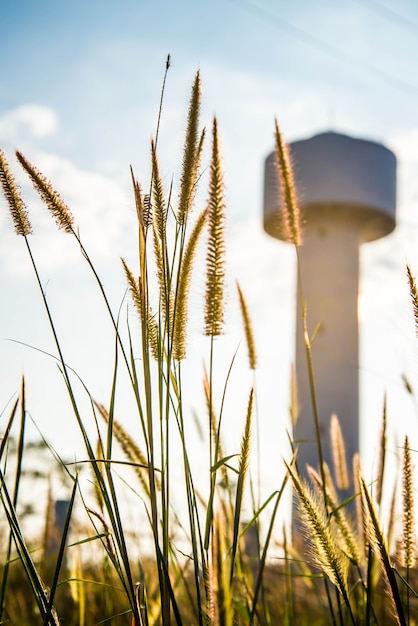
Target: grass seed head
<point>11,192</point>
<point>408,545</point>
<point>215,258</point>
<point>338,454</point>
<point>248,329</point>
<point>289,207</point>
<point>49,195</point>
<point>414,295</point>
<point>192,153</point>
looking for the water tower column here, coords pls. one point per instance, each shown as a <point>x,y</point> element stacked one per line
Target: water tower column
<point>329,261</point>
<point>346,189</point>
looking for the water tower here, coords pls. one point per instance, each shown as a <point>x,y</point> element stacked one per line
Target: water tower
<point>346,189</point>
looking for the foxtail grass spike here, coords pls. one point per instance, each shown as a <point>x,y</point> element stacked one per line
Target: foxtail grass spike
<point>183,289</point>
<point>338,454</point>
<point>160,205</point>
<point>12,194</point>
<point>142,205</point>
<point>324,550</point>
<point>248,329</point>
<point>192,153</point>
<point>289,207</point>
<point>50,197</point>
<point>408,518</point>
<point>414,295</point>
<point>348,540</point>
<point>145,317</point>
<point>215,258</point>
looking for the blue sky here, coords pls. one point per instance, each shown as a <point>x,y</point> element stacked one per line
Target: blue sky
<point>79,92</point>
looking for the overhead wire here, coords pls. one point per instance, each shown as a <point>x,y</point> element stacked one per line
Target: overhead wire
<point>391,15</point>
<point>308,38</point>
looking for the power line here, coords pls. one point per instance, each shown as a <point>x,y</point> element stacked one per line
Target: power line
<point>391,15</point>
<point>324,46</point>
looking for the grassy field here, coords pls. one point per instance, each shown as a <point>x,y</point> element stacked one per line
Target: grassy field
<point>211,563</point>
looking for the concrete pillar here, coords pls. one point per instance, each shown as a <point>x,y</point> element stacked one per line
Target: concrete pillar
<point>347,194</point>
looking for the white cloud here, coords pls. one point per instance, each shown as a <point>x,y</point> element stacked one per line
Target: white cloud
<point>35,120</point>
<point>101,205</point>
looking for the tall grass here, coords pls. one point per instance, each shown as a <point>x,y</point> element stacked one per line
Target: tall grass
<point>222,572</point>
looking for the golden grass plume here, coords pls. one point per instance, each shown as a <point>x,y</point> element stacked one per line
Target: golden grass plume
<point>183,289</point>
<point>193,146</point>
<point>248,329</point>
<point>14,199</point>
<point>49,195</point>
<point>289,207</point>
<point>323,547</point>
<point>408,545</point>
<point>414,295</point>
<point>145,316</point>
<point>338,454</point>
<point>215,258</point>
<point>348,540</point>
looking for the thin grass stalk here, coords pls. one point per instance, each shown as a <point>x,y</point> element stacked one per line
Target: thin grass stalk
<point>200,565</point>
<point>263,559</point>
<point>3,443</point>
<point>111,502</point>
<point>129,447</point>
<point>149,427</point>
<point>378,545</point>
<point>64,219</point>
<point>225,613</point>
<point>147,416</point>
<point>311,375</point>
<point>289,608</point>
<point>242,474</point>
<point>60,556</point>
<point>4,440</point>
<point>160,108</point>
<point>109,434</point>
<point>212,458</point>
<point>37,585</point>
<point>60,213</point>
<point>214,453</point>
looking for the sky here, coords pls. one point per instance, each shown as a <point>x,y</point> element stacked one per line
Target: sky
<point>80,86</point>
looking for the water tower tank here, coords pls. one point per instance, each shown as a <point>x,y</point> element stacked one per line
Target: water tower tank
<point>346,190</point>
